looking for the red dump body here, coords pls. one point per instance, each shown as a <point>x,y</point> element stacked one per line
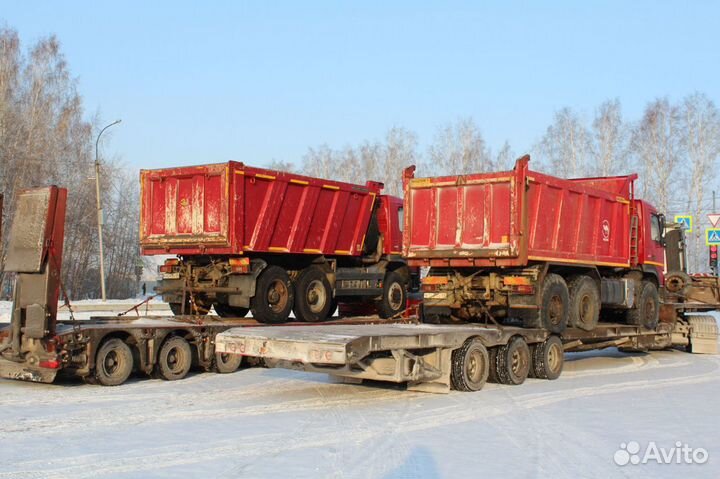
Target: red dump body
<point>231,208</point>
<point>512,218</point>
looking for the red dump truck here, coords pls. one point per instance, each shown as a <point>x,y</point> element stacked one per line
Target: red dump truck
<point>273,242</point>
<point>522,245</point>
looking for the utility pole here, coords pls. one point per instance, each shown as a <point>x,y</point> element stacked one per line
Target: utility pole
<point>100,219</point>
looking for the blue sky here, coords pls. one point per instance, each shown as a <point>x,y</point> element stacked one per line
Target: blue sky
<point>212,81</point>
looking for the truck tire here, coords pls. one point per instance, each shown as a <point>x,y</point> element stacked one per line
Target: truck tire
<point>227,311</point>
<point>394,298</point>
<point>227,363</point>
<point>113,363</point>
<point>313,295</point>
<point>513,362</point>
<point>647,310</point>
<point>548,358</point>
<point>174,359</point>
<point>470,366</point>
<point>584,310</point>
<point>554,305</point>
<point>274,295</point>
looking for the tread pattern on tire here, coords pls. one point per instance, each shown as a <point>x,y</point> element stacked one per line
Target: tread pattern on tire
<point>635,316</point>
<point>504,372</point>
<point>539,355</point>
<point>457,374</point>
<point>576,284</point>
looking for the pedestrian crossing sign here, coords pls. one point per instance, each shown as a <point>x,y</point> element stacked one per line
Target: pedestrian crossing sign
<point>685,222</point>
<point>712,236</point>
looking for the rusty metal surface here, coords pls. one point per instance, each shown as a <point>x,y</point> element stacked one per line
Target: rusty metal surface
<point>512,217</point>
<point>28,233</point>
<point>231,208</point>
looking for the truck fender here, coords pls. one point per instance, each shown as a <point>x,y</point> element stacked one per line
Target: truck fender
<point>246,284</point>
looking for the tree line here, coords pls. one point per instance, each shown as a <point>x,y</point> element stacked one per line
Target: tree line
<point>45,138</point>
<point>673,146</point>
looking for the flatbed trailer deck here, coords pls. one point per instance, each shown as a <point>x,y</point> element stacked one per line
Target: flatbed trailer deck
<point>432,358</point>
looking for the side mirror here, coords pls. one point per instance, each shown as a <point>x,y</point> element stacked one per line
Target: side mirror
<point>663,224</point>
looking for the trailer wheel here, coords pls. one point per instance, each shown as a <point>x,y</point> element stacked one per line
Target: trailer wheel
<point>313,295</point>
<point>584,311</point>
<point>394,298</point>
<point>113,363</point>
<point>554,301</point>
<point>548,358</point>
<point>174,359</point>
<point>274,295</point>
<point>227,363</point>
<point>513,362</point>
<point>226,311</point>
<point>470,366</point>
<point>646,313</point>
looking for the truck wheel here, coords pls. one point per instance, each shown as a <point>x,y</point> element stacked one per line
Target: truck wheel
<point>548,358</point>
<point>227,363</point>
<point>313,295</point>
<point>646,311</point>
<point>274,295</point>
<point>394,298</point>
<point>174,359</point>
<point>554,301</point>
<point>113,363</point>
<point>470,366</point>
<point>513,362</point>
<point>584,311</point>
<point>227,311</point>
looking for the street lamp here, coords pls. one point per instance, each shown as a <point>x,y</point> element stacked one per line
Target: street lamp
<point>99,209</point>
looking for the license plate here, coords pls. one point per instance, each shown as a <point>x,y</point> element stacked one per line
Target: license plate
<point>171,275</point>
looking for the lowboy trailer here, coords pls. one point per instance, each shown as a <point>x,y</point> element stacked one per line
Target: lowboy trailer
<point>437,358</point>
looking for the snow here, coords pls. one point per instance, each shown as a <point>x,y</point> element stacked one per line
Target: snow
<point>277,423</point>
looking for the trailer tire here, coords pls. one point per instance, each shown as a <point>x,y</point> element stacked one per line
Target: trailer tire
<point>584,310</point>
<point>113,363</point>
<point>554,305</point>
<point>313,295</point>
<point>513,362</point>
<point>174,359</point>
<point>226,311</point>
<point>470,366</point>
<point>227,363</point>
<point>647,311</point>
<point>548,358</point>
<point>394,298</point>
<point>274,296</point>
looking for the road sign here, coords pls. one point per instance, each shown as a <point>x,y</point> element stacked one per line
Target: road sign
<point>714,219</point>
<point>712,236</point>
<point>685,221</point>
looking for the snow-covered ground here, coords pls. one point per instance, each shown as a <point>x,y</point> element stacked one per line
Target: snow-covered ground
<point>279,423</point>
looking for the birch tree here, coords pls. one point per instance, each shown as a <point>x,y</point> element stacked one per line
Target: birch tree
<point>459,148</point>
<point>657,145</point>
<point>609,140</point>
<point>701,144</point>
<point>565,147</point>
